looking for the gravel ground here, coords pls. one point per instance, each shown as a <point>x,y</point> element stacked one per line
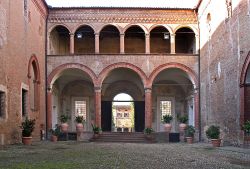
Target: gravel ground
<point>70,155</point>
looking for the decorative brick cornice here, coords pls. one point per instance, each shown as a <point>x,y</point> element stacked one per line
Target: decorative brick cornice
<point>122,16</point>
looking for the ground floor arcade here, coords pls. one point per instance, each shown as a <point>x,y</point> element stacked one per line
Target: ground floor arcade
<point>76,90</point>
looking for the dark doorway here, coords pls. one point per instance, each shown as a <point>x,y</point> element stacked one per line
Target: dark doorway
<point>139,116</point>
<point>106,115</point>
<point>247,103</point>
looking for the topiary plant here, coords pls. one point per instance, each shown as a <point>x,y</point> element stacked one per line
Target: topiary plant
<point>183,119</point>
<point>148,130</point>
<point>246,127</point>
<point>64,118</point>
<point>189,131</point>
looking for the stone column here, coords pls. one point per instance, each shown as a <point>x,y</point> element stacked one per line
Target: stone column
<point>147,43</point>
<point>97,47</point>
<point>98,106</point>
<point>172,42</point>
<point>49,109</point>
<point>72,43</point>
<point>197,46</point>
<point>122,51</point>
<point>148,107</point>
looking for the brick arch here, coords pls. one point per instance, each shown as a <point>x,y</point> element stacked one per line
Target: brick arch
<point>196,32</point>
<point>34,92</point>
<point>33,62</point>
<point>82,25</point>
<point>104,73</point>
<point>186,69</point>
<point>244,69</point>
<point>61,24</point>
<point>193,78</point>
<point>244,89</point>
<point>170,30</point>
<point>139,25</point>
<point>61,68</point>
<point>110,24</point>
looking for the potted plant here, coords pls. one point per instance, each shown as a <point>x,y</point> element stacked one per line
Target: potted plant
<point>213,133</point>
<point>148,131</point>
<point>27,127</point>
<point>246,128</point>
<point>55,133</point>
<point>64,125</point>
<point>183,120</point>
<point>96,130</point>
<point>167,119</point>
<point>189,133</point>
<point>79,126</point>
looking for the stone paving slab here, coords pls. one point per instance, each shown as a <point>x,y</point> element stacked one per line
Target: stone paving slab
<point>71,154</point>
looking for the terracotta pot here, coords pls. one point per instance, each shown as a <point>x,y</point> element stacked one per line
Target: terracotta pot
<point>216,142</point>
<point>190,140</point>
<point>149,136</point>
<point>79,127</point>
<point>168,127</point>
<point>182,127</point>
<point>95,135</point>
<point>64,127</point>
<point>54,138</point>
<point>27,140</point>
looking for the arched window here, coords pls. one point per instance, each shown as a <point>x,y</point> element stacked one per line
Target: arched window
<point>159,40</point>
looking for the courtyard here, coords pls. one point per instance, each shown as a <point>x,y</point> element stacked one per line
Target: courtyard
<point>70,155</point>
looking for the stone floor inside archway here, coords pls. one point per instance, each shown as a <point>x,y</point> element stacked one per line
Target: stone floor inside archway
<point>70,155</point>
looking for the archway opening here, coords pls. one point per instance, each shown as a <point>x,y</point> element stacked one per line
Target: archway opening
<point>84,40</point>
<point>185,41</point>
<point>134,40</point>
<point>173,93</point>
<point>123,113</point>
<point>129,83</point>
<point>159,40</point>
<point>73,95</point>
<point>110,40</point>
<point>247,96</point>
<point>59,41</point>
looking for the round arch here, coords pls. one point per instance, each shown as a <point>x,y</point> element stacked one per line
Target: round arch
<point>156,71</point>
<point>53,75</point>
<point>170,30</point>
<point>244,69</point>
<point>61,24</point>
<point>105,25</point>
<point>186,26</point>
<point>131,25</point>
<point>34,62</point>
<point>104,73</point>
<point>82,25</point>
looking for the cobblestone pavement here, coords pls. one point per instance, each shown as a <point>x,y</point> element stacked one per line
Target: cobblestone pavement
<point>70,155</point>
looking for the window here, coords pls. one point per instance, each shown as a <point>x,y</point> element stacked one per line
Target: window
<point>81,109</point>
<point>126,114</point>
<point>165,107</point>
<point>2,104</point>
<point>24,102</point>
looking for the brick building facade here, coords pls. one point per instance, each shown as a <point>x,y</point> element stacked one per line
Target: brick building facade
<point>194,59</point>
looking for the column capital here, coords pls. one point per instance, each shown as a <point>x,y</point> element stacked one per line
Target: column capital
<point>147,35</point>
<point>148,89</point>
<point>122,34</point>
<point>71,34</point>
<point>97,89</point>
<point>172,34</point>
<point>97,34</point>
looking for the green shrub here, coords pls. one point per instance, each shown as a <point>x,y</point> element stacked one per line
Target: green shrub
<point>189,131</point>
<point>148,130</point>
<point>79,119</point>
<point>28,127</point>
<point>213,132</point>
<point>246,126</point>
<point>96,129</point>
<point>167,118</point>
<point>64,118</point>
<point>56,130</point>
<point>183,119</point>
